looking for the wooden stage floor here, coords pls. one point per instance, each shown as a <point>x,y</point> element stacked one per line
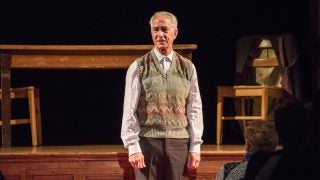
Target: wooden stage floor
<point>97,162</point>
<point>104,149</point>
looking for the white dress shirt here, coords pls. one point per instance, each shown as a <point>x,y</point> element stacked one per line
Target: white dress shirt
<point>130,125</point>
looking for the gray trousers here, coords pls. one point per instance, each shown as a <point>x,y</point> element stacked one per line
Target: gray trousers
<point>165,159</point>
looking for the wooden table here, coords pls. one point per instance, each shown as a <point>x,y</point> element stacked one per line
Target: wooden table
<point>65,57</point>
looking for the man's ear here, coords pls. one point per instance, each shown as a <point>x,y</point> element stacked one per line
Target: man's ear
<point>176,32</point>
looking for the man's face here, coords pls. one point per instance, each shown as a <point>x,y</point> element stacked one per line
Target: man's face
<point>163,33</point>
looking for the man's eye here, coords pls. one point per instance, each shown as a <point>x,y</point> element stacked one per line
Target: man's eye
<point>164,29</point>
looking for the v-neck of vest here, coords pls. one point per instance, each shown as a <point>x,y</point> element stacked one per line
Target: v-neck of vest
<point>161,70</point>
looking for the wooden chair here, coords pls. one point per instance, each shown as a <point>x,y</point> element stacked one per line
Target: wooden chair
<point>32,94</point>
<point>267,59</point>
<point>243,92</point>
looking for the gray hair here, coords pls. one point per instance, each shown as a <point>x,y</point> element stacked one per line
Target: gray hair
<point>261,136</point>
<point>165,13</point>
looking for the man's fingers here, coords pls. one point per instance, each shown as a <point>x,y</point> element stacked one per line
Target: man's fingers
<point>193,160</point>
<point>137,160</point>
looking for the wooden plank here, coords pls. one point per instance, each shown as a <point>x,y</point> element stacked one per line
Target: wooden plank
<point>98,161</point>
<point>270,62</point>
<point>72,61</point>
<point>18,121</point>
<point>241,118</point>
<point>81,56</point>
<point>134,47</point>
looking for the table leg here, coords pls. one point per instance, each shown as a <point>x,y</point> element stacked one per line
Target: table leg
<point>5,99</point>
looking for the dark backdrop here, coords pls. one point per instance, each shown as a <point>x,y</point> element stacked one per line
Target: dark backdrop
<point>85,107</point>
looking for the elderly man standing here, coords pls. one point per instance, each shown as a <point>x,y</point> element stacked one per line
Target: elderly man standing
<point>162,122</point>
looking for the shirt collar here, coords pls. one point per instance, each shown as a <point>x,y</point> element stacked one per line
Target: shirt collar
<point>160,56</point>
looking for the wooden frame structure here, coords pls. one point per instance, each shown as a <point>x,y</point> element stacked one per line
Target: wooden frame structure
<point>65,57</point>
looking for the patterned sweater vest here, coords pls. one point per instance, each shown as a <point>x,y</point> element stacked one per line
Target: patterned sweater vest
<point>162,106</point>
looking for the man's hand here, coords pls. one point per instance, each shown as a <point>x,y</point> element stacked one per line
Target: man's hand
<point>137,160</point>
<point>193,160</point>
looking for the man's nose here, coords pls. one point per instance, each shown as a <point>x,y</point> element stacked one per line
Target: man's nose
<point>160,34</point>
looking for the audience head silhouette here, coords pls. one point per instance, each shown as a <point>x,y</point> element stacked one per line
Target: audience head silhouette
<point>261,136</point>
<point>291,122</point>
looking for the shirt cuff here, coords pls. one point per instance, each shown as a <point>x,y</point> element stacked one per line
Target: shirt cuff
<point>195,148</point>
<point>134,148</point>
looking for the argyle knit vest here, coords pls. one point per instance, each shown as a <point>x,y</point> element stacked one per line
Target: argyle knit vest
<point>162,105</point>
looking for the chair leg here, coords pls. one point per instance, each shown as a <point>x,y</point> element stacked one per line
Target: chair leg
<point>243,113</point>
<point>38,116</point>
<point>219,118</point>
<point>33,117</point>
<point>264,105</point>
